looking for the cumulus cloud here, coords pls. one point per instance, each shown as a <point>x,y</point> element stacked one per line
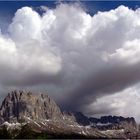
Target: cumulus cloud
<point>79,58</point>
<point>25,26</point>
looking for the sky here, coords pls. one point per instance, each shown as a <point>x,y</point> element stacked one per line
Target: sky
<point>84,54</point>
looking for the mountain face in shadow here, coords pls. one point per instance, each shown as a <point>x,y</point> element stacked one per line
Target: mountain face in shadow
<point>26,115</point>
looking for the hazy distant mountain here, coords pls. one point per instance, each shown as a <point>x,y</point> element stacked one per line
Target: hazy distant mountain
<point>25,115</point>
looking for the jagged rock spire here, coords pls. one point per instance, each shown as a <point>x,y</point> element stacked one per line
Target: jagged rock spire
<point>19,105</point>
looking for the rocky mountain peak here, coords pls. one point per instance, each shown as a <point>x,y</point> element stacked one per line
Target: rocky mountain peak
<point>20,105</point>
<point>33,115</point>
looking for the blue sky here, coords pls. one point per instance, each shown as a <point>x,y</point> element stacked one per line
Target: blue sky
<point>10,7</point>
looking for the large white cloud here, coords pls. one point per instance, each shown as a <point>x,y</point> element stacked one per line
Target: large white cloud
<point>22,51</point>
<point>25,26</point>
<point>78,57</point>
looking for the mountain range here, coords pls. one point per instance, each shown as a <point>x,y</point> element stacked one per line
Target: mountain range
<point>27,115</point>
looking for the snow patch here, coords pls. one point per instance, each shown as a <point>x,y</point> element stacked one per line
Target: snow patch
<point>103,124</point>
<point>83,132</point>
<point>88,127</point>
<point>37,124</point>
<point>47,120</point>
<point>79,126</point>
<point>12,125</point>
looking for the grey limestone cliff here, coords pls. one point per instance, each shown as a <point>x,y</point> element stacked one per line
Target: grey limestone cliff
<point>19,105</point>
